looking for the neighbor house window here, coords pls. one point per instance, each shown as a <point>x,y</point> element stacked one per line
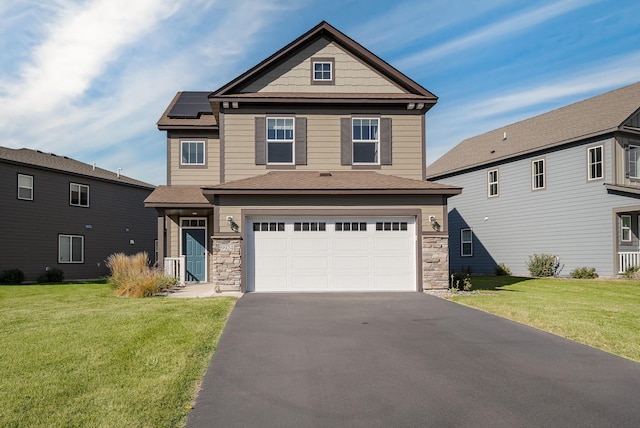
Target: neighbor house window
<point>492,183</point>
<point>192,153</point>
<point>595,163</point>
<point>633,161</point>
<point>70,249</point>
<point>280,132</point>
<point>625,228</point>
<point>537,174</point>
<point>79,195</point>
<point>25,187</point>
<point>366,141</point>
<point>466,243</point>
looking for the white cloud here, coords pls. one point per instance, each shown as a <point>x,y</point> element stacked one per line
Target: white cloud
<point>495,31</point>
<point>81,40</point>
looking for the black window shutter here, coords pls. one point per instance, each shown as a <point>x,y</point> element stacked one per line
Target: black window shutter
<point>385,141</point>
<point>301,140</point>
<point>261,141</point>
<point>345,141</point>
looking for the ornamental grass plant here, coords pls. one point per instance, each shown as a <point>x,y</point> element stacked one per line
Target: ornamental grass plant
<point>132,276</point>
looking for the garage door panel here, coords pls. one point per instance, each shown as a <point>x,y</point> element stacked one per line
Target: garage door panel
<point>348,254</point>
<point>310,244</point>
<point>391,263</point>
<point>309,262</point>
<point>266,245</point>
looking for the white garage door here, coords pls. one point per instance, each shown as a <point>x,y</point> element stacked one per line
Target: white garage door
<point>331,254</point>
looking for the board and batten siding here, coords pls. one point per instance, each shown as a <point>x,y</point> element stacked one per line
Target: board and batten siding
<point>233,205</point>
<point>294,74</point>
<point>207,175</point>
<point>572,218</point>
<point>29,230</point>
<point>323,144</point>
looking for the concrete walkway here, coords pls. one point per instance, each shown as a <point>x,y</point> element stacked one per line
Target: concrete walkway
<point>202,290</point>
<point>404,360</point>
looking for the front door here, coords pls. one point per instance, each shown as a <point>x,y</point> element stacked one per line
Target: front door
<point>194,250</point>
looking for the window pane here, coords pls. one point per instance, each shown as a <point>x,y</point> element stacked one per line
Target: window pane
<point>365,152</point>
<point>25,181</point>
<point>84,196</point>
<point>76,249</point>
<point>24,193</point>
<point>357,129</point>
<point>280,152</point>
<point>65,248</point>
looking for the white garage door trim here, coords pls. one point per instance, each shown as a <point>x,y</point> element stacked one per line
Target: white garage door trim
<point>320,254</point>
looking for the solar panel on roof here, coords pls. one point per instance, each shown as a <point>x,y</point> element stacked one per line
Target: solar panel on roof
<point>190,105</point>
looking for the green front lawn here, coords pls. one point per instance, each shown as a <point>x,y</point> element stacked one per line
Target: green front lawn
<point>77,355</point>
<point>604,314</point>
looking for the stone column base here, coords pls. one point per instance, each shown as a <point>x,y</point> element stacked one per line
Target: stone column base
<point>226,263</point>
<point>435,262</point>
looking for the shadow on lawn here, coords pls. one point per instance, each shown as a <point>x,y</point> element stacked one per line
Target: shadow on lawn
<point>496,282</point>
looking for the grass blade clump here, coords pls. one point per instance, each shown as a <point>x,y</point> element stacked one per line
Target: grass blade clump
<point>132,276</point>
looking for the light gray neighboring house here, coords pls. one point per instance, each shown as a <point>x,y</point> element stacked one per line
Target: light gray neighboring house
<point>566,182</point>
<point>61,213</point>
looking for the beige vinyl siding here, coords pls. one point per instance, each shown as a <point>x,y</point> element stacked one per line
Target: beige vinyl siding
<point>294,74</point>
<point>323,145</point>
<point>233,205</point>
<point>208,175</point>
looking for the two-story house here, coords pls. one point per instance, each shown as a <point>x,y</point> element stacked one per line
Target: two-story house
<point>305,173</point>
<point>566,183</point>
<point>61,213</point>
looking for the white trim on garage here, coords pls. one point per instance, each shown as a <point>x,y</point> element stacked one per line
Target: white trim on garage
<point>331,253</point>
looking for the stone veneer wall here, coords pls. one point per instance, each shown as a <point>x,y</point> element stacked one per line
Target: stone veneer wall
<point>435,262</point>
<point>226,263</point>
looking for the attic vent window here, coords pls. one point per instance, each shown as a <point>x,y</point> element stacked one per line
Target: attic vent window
<point>322,71</point>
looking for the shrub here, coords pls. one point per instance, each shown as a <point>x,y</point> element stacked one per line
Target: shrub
<point>55,275</point>
<point>584,273</point>
<point>460,281</point>
<point>12,276</point>
<point>632,272</point>
<point>543,265</point>
<point>502,270</point>
<point>132,276</point>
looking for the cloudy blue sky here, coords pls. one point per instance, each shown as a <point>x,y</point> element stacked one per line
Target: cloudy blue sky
<point>89,79</point>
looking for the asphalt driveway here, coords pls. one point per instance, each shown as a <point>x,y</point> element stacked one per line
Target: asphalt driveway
<point>404,360</point>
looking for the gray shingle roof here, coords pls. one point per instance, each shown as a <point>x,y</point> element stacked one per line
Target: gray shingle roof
<point>166,196</point>
<point>595,116</point>
<point>50,161</point>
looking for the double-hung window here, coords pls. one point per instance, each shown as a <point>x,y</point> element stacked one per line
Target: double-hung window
<point>192,153</point>
<point>633,161</point>
<point>492,183</point>
<point>366,141</point>
<point>70,249</point>
<point>537,174</point>
<point>79,195</point>
<point>466,242</point>
<point>25,187</point>
<point>280,139</point>
<point>625,228</point>
<point>595,169</point>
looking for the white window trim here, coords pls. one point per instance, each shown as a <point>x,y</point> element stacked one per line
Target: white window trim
<point>624,228</point>
<point>25,187</point>
<point>462,242</point>
<point>543,173</point>
<point>80,186</point>
<point>330,79</point>
<point>490,183</point>
<point>70,261</point>
<point>354,141</point>
<point>590,164</point>
<point>292,141</point>
<point>204,153</point>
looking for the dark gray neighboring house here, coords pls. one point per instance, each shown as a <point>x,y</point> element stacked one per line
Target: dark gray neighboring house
<point>566,182</point>
<point>61,213</point>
